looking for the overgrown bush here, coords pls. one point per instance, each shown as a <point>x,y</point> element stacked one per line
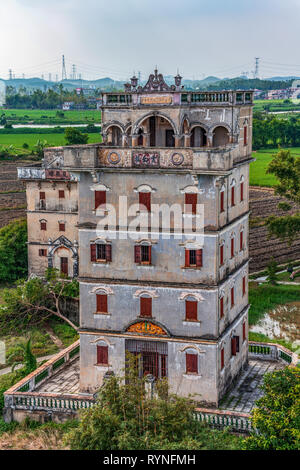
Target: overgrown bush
<point>13,251</point>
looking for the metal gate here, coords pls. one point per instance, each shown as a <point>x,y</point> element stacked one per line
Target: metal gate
<point>152,357</point>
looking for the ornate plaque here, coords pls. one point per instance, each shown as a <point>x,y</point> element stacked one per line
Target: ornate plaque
<point>156,99</point>
<point>177,159</point>
<point>146,328</point>
<point>113,158</point>
<point>145,159</point>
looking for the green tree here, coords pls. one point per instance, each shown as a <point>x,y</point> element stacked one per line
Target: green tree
<point>286,168</point>
<point>277,414</point>
<point>35,300</point>
<point>74,136</point>
<point>13,251</point>
<point>272,272</point>
<point>127,418</point>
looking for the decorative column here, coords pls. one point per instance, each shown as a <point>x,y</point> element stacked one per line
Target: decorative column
<point>177,138</point>
<point>124,140</point>
<point>135,138</point>
<point>187,139</point>
<point>210,137</point>
<point>146,139</point>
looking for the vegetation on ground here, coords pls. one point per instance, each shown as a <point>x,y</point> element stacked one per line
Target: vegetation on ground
<point>13,251</point>
<point>265,297</point>
<point>276,106</point>
<point>12,144</point>
<point>127,418</point>
<point>74,136</point>
<point>35,300</point>
<point>276,416</point>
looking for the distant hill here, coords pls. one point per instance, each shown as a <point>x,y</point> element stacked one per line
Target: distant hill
<point>108,84</point>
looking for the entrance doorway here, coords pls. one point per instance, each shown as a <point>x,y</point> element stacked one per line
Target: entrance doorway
<point>64,265</point>
<point>152,357</point>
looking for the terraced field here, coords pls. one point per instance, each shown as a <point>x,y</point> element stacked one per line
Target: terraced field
<point>12,193</point>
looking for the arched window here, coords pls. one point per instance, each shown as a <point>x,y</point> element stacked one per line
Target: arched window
<point>114,136</point>
<point>221,137</point>
<point>198,137</point>
<point>140,137</point>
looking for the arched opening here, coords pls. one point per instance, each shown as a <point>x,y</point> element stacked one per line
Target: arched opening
<point>62,260</point>
<point>159,132</point>
<point>140,136</point>
<point>114,136</point>
<point>221,137</point>
<point>198,137</point>
<point>129,136</point>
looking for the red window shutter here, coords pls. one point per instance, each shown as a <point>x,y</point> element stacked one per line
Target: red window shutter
<point>100,198</point>
<point>199,258</point>
<point>93,252</point>
<point>145,200</point>
<point>232,296</point>
<point>232,247</point>
<point>191,363</point>
<point>102,303</point>
<point>222,358</point>
<point>146,306</point>
<point>137,254</point>
<point>108,253</point>
<point>241,240</point>
<point>191,200</point>
<point>43,226</point>
<point>232,196</point>
<point>221,255</point>
<point>242,192</point>
<point>244,331</point>
<point>233,346</point>
<point>191,310</point>
<point>244,285</point>
<point>42,195</point>
<point>245,135</point>
<point>62,227</point>
<point>187,257</point>
<point>61,194</point>
<point>102,355</point>
<point>222,201</point>
<point>221,307</point>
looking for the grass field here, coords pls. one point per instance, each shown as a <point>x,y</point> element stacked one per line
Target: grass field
<point>49,116</point>
<point>53,140</point>
<point>258,174</point>
<point>276,105</point>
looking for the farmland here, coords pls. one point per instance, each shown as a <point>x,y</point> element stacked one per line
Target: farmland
<point>51,116</point>
<point>53,140</point>
<point>274,106</point>
<point>258,175</point>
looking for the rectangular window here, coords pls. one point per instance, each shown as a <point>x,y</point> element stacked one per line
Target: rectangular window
<point>232,247</point>
<point>61,194</point>
<point>100,198</point>
<point>232,196</point>
<point>146,307</point>
<point>233,346</point>
<point>191,363</point>
<point>42,195</point>
<point>145,201</point>
<point>237,343</point>
<point>222,358</point>
<point>43,226</point>
<point>242,191</point>
<point>232,296</point>
<point>194,258</point>
<point>102,355</point>
<point>221,255</point>
<point>221,307</point>
<point>244,331</point>
<point>245,135</point>
<point>42,252</point>
<point>241,240</point>
<point>222,201</point>
<point>191,310</point>
<point>191,203</point>
<point>101,303</point>
<point>244,285</point>
<point>100,252</point>
<point>62,227</point>
<point>145,254</point>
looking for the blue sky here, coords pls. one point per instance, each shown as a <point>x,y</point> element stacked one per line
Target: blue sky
<point>117,37</point>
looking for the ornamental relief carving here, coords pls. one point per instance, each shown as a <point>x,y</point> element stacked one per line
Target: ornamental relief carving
<point>146,328</point>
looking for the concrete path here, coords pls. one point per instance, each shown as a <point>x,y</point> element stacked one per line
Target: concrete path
<point>7,370</point>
